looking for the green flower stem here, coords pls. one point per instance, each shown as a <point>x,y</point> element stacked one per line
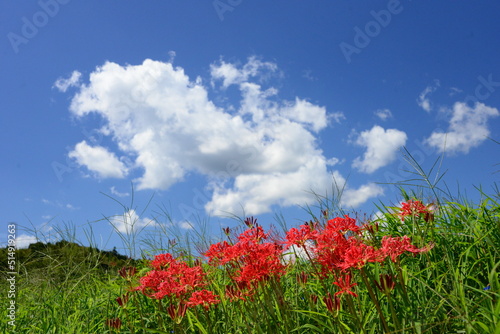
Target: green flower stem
<point>353,312</point>
<point>374,299</point>
<point>393,311</point>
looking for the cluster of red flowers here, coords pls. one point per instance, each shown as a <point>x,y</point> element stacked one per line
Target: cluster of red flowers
<point>414,208</point>
<point>340,248</point>
<point>178,281</point>
<point>252,259</point>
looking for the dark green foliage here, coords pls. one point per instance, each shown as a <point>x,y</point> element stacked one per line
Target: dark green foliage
<point>65,259</point>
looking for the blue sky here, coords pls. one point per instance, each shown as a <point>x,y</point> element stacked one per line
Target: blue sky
<point>203,108</point>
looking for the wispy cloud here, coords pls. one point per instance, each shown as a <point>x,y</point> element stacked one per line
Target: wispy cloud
<point>58,204</point>
<point>130,222</point>
<point>117,193</point>
<point>381,148</point>
<point>186,225</point>
<point>307,74</point>
<point>62,84</point>
<point>468,128</point>
<point>423,99</point>
<point>356,197</point>
<point>383,114</point>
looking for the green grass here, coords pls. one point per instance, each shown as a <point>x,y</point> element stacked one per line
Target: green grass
<point>452,288</point>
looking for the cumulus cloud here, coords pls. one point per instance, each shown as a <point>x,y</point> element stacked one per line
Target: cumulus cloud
<point>423,99</point>
<point>231,74</point>
<point>468,128</point>
<point>130,222</point>
<point>355,197</point>
<point>99,160</point>
<point>24,240</point>
<point>381,148</point>
<point>117,193</point>
<point>260,153</point>
<point>63,84</point>
<point>186,225</point>
<point>383,114</point>
<point>296,253</point>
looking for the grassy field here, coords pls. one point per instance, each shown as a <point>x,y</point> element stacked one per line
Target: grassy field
<point>418,268</point>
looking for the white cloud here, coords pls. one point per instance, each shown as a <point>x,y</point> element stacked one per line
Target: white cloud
<point>99,160</point>
<point>130,222</point>
<point>454,91</point>
<point>308,75</point>
<point>260,153</point>
<point>24,240</point>
<point>186,225</point>
<point>306,113</point>
<point>59,204</point>
<point>383,114</point>
<point>294,253</point>
<point>467,129</point>
<point>231,75</point>
<point>254,193</point>
<point>63,84</point>
<point>423,100</point>
<point>117,193</point>
<point>356,197</point>
<point>381,148</point>
<point>336,117</point>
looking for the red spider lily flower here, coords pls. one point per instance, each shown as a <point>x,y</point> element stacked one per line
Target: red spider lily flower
<point>122,300</point>
<point>300,237</point>
<point>114,323</point>
<point>314,299</point>
<point>251,260</point>
<point>177,312</point>
<point>162,260</point>
<point>253,235</point>
<point>371,227</point>
<point>175,279</point>
<point>332,304</point>
<point>343,225</point>
<point>204,298</point>
<point>127,272</point>
<point>330,250</point>
<point>217,252</point>
<point>250,222</point>
<point>233,293</point>
<point>260,262</point>
<point>151,281</point>
<point>357,254</point>
<point>413,208</point>
<point>395,246</point>
<point>387,283</point>
<point>345,285</point>
<point>302,278</point>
